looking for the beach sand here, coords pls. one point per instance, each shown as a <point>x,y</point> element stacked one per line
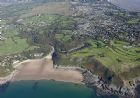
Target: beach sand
<point>42,69</point>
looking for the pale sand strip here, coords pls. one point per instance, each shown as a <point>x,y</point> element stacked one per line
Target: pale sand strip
<point>41,69</point>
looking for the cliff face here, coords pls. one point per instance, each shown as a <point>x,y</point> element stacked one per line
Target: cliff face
<point>104,88</point>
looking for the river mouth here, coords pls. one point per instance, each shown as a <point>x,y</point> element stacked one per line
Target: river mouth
<point>130,5</point>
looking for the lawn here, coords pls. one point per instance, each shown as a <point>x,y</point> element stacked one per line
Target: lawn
<point>2,22</point>
<point>65,38</point>
<point>13,45</point>
<point>134,21</point>
<point>63,22</point>
<point>116,57</point>
<point>10,32</point>
<point>36,20</point>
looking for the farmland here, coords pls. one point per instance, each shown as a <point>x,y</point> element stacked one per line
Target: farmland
<point>104,45</point>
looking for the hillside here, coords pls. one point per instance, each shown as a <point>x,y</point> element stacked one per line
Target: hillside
<point>97,36</point>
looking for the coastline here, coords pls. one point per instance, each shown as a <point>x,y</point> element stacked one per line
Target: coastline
<point>47,73</point>
<point>104,88</point>
<point>89,80</point>
<point>44,69</point>
<point>4,80</point>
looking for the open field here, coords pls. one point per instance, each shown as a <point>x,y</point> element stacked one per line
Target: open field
<point>12,45</point>
<point>61,22</point>
<point>36,20</point>
<point>60,8</point>
<point>134,21</point>
<point>2,22</point>
<point>52,24</point>
<point>12,11</point>
<point>119,57</point>
<point>65,38</point>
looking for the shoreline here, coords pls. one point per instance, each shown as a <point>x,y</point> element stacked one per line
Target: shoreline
<point>80,83</point>
<point>32,70</point>
<point>52,78</point>
<point>104,88</point>
<point>42,69</point>
<point>49,73</point>
<point>8,78</point>
<point>52,69</point>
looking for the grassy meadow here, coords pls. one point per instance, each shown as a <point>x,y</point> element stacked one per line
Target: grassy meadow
<point>60,8</point>
<point>118,57</point>
<point>51,23</point>
<point>13,45</point>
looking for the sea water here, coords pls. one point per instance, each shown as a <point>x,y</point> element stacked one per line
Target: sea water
<point>47,89</point>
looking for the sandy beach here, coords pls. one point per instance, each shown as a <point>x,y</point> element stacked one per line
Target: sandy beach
<point>42,69</point>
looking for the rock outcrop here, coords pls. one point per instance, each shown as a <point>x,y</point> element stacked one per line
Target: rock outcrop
<point>108,89</point>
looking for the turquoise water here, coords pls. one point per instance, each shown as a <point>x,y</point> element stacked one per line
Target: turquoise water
<point>46,89</point>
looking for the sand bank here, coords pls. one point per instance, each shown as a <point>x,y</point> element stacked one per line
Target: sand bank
<point>41,69</point>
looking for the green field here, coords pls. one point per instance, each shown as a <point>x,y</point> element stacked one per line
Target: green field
<point>114,57</point>
<point>59,8</point>
<point>37,26</point>
<point>13,45</point>
<point>65,38</point>
<point>2,22</point>
<point>134,21</point>
<point>119,56</point>
<point>36,20</point>
<point>11,42</point>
